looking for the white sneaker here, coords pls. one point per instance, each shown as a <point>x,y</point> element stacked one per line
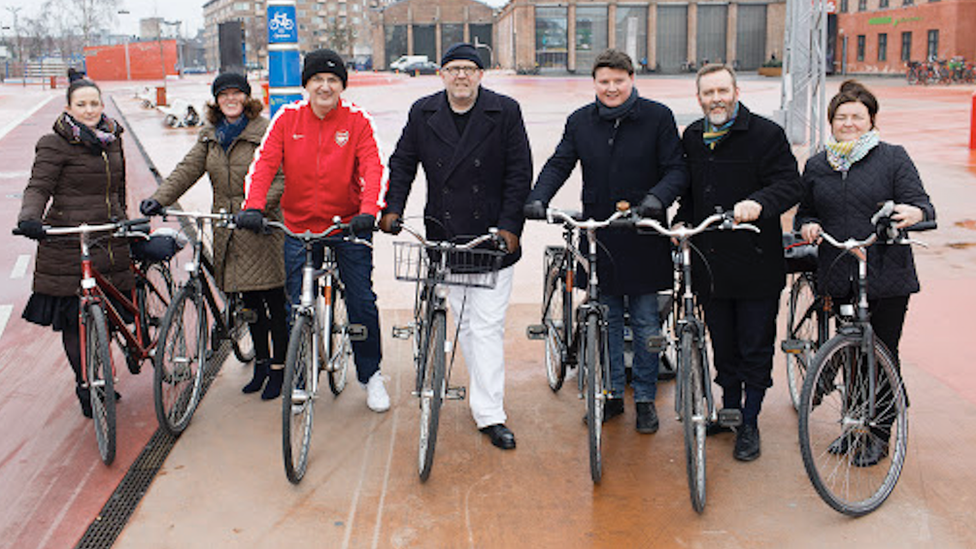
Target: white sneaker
<point>376,396</point>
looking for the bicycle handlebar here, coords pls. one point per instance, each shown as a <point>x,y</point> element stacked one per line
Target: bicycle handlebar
<point>126,227</point>
<point>724,219</point>
<point>492,235</point>
<point>219,216</point>
<point>343,230</point>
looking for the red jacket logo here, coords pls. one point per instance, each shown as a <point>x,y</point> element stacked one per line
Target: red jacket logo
<point>341,138</point>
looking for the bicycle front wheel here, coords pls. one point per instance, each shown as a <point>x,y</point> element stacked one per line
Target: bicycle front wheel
<point>238,328</point>
<point>853,459</point>
<point>432,391</point>
<point>555,317</point>
<point>101,383</point>
<point>802,322</point>
<point>694,416</point>
<point>340,345</point>
<point>595,394</point>
<point>153,296</point>
<point>180,360</point>
<point>298,398</point>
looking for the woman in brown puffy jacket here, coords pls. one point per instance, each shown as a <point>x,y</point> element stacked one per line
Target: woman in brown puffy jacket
<point>78,177</point>
<point>243,261</point>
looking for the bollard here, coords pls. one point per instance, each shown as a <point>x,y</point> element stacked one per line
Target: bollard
<point>54,82</point>
<point>972,126</point>
<point>161,96</point>
<point>266,93</point>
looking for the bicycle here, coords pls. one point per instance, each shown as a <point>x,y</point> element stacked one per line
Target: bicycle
<point>853,397</point>
<point>433,266</point>
<point>102,307</point>
<point>182,361</point>
<point>320,340</point>
<point>694,402</point>
<point>808,314</point>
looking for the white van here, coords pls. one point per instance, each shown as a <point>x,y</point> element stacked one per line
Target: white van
<point>405,60</point>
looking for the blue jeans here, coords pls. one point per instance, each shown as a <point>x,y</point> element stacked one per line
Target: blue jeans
<point>356,272</point>
<point>645,323</point>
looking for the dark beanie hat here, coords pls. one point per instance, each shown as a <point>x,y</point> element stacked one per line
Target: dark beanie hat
<point>228,81</point>
<point>324,61</point>
<point>463,51</point>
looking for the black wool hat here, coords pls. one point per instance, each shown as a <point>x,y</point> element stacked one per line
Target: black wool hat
<point>324,61</point>
<point>463,51</point>
<point>230,80</point>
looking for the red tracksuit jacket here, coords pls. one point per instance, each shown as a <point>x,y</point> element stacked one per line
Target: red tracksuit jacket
<point>332,166</point>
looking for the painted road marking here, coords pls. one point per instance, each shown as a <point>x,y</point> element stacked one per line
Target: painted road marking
<point>19,120</point>
<point>20,267</point>
<point>5,311</point>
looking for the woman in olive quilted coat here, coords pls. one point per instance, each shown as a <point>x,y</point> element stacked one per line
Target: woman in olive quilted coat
<point>244,261</point>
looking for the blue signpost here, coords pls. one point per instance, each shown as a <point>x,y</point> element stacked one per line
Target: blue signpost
<point>284,63</point>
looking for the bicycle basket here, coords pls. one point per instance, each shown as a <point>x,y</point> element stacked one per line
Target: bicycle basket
<point>474,268</point>
<point>801,257</point>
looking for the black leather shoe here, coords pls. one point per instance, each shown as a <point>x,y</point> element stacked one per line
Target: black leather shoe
<point>611,409</point>
<point>870,453</point>
<point>647,422</point>
<point>716,428</point>
<point>501,436</point>
<point>746,443</point>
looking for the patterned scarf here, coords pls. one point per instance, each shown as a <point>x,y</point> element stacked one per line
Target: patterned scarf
<point>97,139</point>
<point>713,135</point>
<point>843,154</point>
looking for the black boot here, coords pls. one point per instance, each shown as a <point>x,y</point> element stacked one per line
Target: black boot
<point>260,374</point>
<point>273,388</point>
<point>613,408</point>
<point>647,421</point>
<point>84,398</point>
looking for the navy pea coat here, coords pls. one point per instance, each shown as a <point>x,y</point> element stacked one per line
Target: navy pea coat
<point>475,180</point>
<point>622,159</point>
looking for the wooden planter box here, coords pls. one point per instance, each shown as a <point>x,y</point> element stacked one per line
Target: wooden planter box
<point>770,71</point>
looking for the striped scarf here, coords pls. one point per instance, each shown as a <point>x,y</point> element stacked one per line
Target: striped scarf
<point>843,154</point>
<point>713,135</point>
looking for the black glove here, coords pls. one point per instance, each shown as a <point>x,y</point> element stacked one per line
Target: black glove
<point>251,219</point>
<point>31,228</point>
<point>651,207</point>
<point>534,210</point>
<point>362,224</point>
<point>150,207</point>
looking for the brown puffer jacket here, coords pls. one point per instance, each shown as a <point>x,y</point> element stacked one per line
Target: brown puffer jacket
<point>82,186</point>
<point>244,261</point>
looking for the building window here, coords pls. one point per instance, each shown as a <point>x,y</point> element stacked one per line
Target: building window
<point>551,36</point>
<point>906,46</point>
<point>882,4</point>
<point>843,6</point>
<point>908,2</point>
<point>860,47</point>
<point>933,49</point>
<point>862,5</point>
<point>882,47</point>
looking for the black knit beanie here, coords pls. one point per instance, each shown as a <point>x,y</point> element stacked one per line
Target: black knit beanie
<point>324,61</point>
<point>230,80</point>
<point>463,51</point>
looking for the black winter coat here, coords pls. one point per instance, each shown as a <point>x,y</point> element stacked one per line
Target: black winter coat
<point>753,162</point>
<point>476,180</point>
<point>843,205</point>
<point>622,159</point>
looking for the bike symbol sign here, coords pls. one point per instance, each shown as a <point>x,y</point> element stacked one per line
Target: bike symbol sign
<point>281,24</point>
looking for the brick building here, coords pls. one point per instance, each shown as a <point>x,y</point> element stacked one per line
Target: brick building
<point>428,27</point>
<point>881,36</point>
<point>665,35</point>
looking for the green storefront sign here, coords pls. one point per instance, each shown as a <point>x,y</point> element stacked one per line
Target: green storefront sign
<point>892,21</point>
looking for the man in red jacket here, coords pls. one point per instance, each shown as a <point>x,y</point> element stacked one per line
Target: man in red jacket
<point>327,147</point>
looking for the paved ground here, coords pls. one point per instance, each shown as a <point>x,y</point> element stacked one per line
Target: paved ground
<point>223,484</point>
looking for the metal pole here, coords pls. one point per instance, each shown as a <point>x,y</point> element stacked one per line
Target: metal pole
<point>128,66</point>
<point>284,61</point>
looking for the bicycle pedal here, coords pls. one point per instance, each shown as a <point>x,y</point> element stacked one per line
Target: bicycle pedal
<point>794,346</point>
<point>456,393</point>
<point>657,344</point>
<point>730,417</point>
<point>357,332</point>
<point>535,331</point>
<point>402,332</point>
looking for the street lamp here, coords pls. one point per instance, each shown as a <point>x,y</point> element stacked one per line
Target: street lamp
<point>128,68</point>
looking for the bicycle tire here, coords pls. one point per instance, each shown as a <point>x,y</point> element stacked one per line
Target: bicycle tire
<point>154,293</point>
<point>340,344</point>
<point>802,329</point>
<point>101,382</point>
<point>834,426</point>
<point>180,360</point>
<point>693,417</point>
<point>554,317</point>
<point>595,395</point>
<point>298,398</point>
<point>432,392</point>
<point>238,328</point>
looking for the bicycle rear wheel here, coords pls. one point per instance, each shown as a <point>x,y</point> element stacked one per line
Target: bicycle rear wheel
<point>595,394</point>
<point>694,416</point>
<point>340,344</point>
<point>238,328</point>
<point>837,432</point>
<point>180,361</point>
<point>668,304</point>
<point>556,312</point>
<point>802,337</point>
<point>432,391</point>
<point>101,383</point>
<point>298,398</point>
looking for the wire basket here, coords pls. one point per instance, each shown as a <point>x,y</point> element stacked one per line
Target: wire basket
<point>414,262</point>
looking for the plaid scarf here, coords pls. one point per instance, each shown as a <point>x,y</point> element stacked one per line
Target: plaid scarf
<point>713,135</point>
<point>96,139</point>
<point>843,154</point>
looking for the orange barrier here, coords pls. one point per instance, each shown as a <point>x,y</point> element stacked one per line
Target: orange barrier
<point>972,125</point>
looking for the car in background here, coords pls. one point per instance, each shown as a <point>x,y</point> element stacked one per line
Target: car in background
<point>420,67</point>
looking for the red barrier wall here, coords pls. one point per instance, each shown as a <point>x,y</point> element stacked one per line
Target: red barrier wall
<point>108,62</point>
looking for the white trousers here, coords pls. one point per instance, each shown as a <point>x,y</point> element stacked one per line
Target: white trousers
<point>480,314</point>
